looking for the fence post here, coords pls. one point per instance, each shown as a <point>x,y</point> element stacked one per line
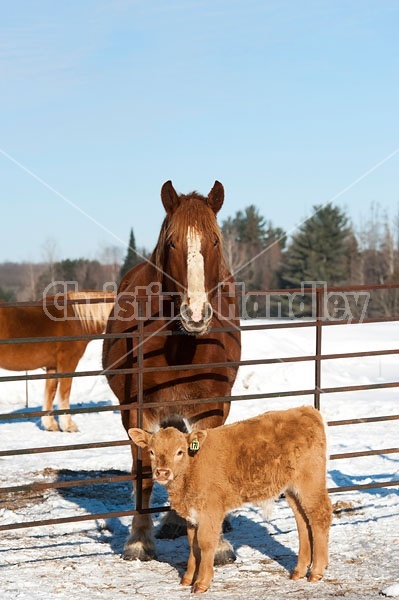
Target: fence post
<point>26,391</point>
<point>319,322</point>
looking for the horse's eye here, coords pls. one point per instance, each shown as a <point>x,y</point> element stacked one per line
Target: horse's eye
<point>215,243</point>
<point>172,244</point>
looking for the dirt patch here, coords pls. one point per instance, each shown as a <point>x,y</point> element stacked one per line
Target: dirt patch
<point>341,507</point>
<point>22,499</point>
<point>113,494</point>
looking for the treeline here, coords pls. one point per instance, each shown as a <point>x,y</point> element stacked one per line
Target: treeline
<point>324,248</point>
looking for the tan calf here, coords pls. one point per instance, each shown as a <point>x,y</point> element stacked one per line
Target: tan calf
<point>210,472</point>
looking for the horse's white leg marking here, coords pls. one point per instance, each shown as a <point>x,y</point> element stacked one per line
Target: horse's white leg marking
<point>196,294</point>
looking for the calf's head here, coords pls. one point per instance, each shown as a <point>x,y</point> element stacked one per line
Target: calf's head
<point>169,450</point>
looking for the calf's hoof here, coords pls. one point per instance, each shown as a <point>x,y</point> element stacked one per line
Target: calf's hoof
<point>297,574</point>
<point>198,588</point>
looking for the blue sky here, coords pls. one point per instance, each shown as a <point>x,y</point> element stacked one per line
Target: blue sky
<point>287,103</point>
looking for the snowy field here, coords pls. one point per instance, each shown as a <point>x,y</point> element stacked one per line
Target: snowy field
<point>75,561</point>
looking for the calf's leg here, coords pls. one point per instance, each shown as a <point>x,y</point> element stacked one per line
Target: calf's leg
<point>206,538</point>
<point>304,534</point>
<point>224,553</point>
<point>194,557</point>
<point>316,506</point>
<point>319,520</point>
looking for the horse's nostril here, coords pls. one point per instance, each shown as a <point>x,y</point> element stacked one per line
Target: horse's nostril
<point>186,311</point>
<point>208,312</point>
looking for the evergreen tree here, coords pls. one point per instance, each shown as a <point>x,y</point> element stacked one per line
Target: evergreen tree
<point>319,251</point>
<point>7,295</point>
<point>132,258</point>
<point>253,250</point>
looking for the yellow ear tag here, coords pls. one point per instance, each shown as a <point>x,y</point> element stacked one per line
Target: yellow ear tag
<point>194,446</point>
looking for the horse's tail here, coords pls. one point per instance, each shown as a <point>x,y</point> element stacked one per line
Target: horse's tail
<point>92,315</point>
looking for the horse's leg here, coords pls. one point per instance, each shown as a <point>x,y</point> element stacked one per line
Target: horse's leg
<point>141,544</point>
<point>68,359</point>
<point>66,422</point>
<point>49,423</point>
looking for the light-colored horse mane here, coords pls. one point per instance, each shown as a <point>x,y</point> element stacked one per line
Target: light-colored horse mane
<point>92,315</point>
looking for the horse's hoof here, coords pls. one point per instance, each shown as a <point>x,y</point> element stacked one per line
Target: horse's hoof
<point>171,531</point>
<point>172,527</point>
<point>314,577</point>
<point>227,526</point>
<point>50,424</point>
<point>137,552</point>
<point>224,558</point>
<point>142,555</point>
<point>224,554</point>
<point>69,427</point>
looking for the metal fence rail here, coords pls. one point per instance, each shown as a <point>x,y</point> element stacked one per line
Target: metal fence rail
<point>317,392</point>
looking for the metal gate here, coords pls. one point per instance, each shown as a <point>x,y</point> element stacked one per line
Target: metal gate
<point>318,323</point>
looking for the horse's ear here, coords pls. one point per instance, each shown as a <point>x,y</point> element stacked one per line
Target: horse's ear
<point>170,199</point>
<point>216,197</point>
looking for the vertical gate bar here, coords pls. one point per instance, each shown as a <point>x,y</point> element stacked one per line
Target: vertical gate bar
<point>140,356</point>
<point>26,391</point>
<point>319,316</point>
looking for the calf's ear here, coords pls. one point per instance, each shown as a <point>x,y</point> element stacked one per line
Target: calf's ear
<point>197,435</point>
<point>139,436</point>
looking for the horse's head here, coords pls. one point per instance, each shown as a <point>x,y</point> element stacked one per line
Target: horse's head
<point>189,253</point>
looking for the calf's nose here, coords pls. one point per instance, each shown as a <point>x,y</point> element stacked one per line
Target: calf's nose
<point>162,474</point>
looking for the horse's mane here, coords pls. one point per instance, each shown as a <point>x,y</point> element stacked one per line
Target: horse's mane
<point>92,315</point>
<point>193,211</point>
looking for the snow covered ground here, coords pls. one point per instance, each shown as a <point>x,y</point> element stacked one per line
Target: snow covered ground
<point>79,560</point>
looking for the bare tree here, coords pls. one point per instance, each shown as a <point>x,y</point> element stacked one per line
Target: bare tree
<point>49,252</point>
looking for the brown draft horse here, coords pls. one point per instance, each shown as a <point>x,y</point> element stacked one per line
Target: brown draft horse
<point>188,264</point>
<point>58,319</point>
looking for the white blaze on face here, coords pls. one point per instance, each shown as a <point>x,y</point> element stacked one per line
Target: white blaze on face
<point>196,295</point>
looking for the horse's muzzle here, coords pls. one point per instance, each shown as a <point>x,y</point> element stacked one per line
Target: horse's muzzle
<point>201,324</point>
